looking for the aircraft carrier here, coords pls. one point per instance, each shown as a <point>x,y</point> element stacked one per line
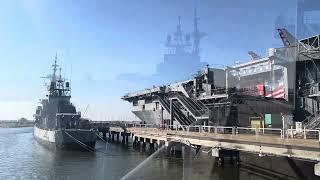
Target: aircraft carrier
<point>280,88</point>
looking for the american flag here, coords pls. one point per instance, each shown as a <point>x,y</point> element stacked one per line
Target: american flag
<point>277,93</point>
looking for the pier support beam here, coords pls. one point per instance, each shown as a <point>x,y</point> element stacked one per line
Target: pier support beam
<point>127,137</point>
<point>160,144</point>
<point>151,146</point>
<point>166,143</point>
<point>169,149</point>
<point>118,137</point>
<point>178,149</point>
<point>187,161</point>
<point>220,154</point>
<point>187,152</point>
<point>174,148</point>
<point>104,134</point>
<point>135,142</point>
<point>112,136</point>
<point>123,140</point>
<point>317,169</point>
<point>144,145</point>
<point>155,145</point>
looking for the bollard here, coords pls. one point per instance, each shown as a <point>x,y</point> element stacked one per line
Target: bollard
<point>304,133</point>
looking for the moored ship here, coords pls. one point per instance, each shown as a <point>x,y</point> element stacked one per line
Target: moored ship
<point>273,91</point>
<point>57,123</point>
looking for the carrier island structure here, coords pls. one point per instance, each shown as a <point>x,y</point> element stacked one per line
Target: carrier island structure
<point>274,91</point>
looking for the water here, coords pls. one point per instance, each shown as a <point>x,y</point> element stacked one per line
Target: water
<point>21,157</point>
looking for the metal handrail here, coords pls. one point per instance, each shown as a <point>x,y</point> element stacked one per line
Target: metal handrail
<point>234,130</point>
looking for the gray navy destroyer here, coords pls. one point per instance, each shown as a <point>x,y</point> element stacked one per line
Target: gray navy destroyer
<point>57,123</point>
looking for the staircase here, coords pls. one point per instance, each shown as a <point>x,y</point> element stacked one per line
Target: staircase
<point>177,114</point>
<point>197,110</point>
<point>312,122</point>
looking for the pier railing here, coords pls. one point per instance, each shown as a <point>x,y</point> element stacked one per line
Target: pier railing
<point>283,134</point>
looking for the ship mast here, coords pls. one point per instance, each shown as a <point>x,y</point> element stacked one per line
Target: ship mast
<point>178,34</point>
<point>55,67</point>
<point>180,42</point>
<point>197,35</point>
<point>58,86</point>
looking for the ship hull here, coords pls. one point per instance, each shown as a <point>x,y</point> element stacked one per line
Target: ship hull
<point>68,139</point>
<point>240,114</point>
<point>148,117</point>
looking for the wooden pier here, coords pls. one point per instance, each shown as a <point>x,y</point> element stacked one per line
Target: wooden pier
<point>228,141</point>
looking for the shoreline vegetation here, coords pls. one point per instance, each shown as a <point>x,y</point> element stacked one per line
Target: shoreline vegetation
<point>22,122</point>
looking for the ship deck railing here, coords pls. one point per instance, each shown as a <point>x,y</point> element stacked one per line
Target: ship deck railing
<point>143,92</point>
<point>233,130</point>
<point>68,114</point>
<point>158,88</point>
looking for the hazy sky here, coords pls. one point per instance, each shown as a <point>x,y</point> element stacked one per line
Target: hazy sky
<point>99,40</point>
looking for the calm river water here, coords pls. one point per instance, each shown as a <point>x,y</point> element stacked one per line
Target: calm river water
<point>21,157</point>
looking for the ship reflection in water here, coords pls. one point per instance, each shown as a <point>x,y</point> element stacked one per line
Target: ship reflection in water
<point>23,158</point>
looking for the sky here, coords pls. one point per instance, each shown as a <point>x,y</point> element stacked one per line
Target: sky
<point>98,41</point>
